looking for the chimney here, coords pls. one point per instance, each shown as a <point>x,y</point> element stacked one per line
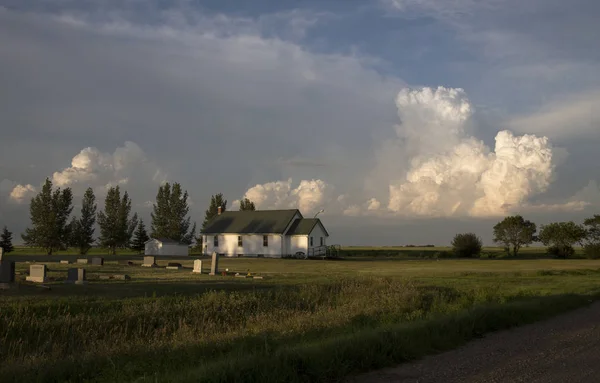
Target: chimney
<point>219,210</point>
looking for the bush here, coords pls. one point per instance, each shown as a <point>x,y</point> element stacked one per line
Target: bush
<point>488,255</point>
<point>562,251</point>
<point>592,250</point>
<point>467,245</point>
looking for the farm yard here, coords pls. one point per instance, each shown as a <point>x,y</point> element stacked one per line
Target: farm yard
<point>305,320</point>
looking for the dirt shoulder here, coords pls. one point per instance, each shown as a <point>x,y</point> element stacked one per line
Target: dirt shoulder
<point>562,349</point>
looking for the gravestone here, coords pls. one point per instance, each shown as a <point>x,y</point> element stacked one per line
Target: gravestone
<point>149,261</point>
<point>121,277</point>
<point>37,273</point>
<point>197,266</point>
<point>173,266</point>
<point>7,271</point>
<point>104,277</point>
<point>1,253</point>
<point>65,262</point>
<point>255,277</point>
<point>98,261</point>
<point>83,261</point>
<point>76,276</point>
<point>214,266</point>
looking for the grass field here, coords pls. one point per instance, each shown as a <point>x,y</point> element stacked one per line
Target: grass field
<point>307,320</point>
<point>346,251</point>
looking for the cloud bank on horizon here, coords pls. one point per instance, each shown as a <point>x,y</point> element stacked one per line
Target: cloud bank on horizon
<point>450,173</point>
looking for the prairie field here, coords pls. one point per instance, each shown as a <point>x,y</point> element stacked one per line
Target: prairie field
<point>306,320</point>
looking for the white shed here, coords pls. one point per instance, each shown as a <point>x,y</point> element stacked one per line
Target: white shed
<point>165,247</point>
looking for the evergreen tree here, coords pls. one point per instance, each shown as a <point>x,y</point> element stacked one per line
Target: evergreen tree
<point>140,238</point>
<point>169,215</point>
<point>6,240</point>
<point>83,228</point>
<point>49,212</point>
<point>215,201</point>
<point>247,205</point>
<point>116,227</point>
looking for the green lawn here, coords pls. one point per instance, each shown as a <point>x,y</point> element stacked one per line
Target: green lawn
<point>307,320</point>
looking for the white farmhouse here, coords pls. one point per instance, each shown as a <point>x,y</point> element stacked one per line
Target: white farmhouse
<point>264,233</point>
<point>164,246</point>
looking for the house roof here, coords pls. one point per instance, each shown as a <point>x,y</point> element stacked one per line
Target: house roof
<point>251,222</point>
<point>164,240</point>
<point>305,226</point>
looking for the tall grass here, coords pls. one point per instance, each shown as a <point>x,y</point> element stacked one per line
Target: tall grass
<point>220,334</point>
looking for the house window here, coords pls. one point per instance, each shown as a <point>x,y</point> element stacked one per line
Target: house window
<point>216,241</point>
<point>311,241</point>
<point>240,241</point>
<point>265,240</point>
<point>321,241</point>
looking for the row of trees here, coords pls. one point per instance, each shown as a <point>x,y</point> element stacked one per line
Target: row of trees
<point>514,232</point>
<point>53,228</point>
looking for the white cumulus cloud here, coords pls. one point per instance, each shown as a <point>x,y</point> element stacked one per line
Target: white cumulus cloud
<point>309,196</point>
<point>22,193</point>
<point>99,170</point>
<point>450,172</point>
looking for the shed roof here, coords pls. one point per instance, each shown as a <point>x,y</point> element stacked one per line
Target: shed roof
<point>251,222</point>
<point>165,240</point>
<point>305,226</point>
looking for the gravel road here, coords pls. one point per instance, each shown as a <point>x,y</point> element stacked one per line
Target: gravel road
<point>562,349</point>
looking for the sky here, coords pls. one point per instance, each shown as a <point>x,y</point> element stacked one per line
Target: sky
<point>407,121</point>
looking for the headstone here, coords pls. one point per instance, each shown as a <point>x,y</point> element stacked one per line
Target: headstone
<point>121,277</point>
<point>83,261</point>
<point>98,261</point>
<point>37,273</point>
<point>1,253</point>
<point>104,277</point>
<point>149,261</point>
<point>197,266</point>
<point>76,276</point>
<point>173,266</point>
<point>214,266</point>
<point>255,277</point>
<point>65,262</point>
<point>7,271</point>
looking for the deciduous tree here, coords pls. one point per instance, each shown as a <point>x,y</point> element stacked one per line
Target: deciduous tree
<point>467,245</point>
<point>561,236</point>
<point>592,245</point>
<point>49,212</point>
<point>514,231</point>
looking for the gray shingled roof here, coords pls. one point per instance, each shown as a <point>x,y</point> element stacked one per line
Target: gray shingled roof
<point>163,240</point>
<point>305,226</point>
<point>251,222</point>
